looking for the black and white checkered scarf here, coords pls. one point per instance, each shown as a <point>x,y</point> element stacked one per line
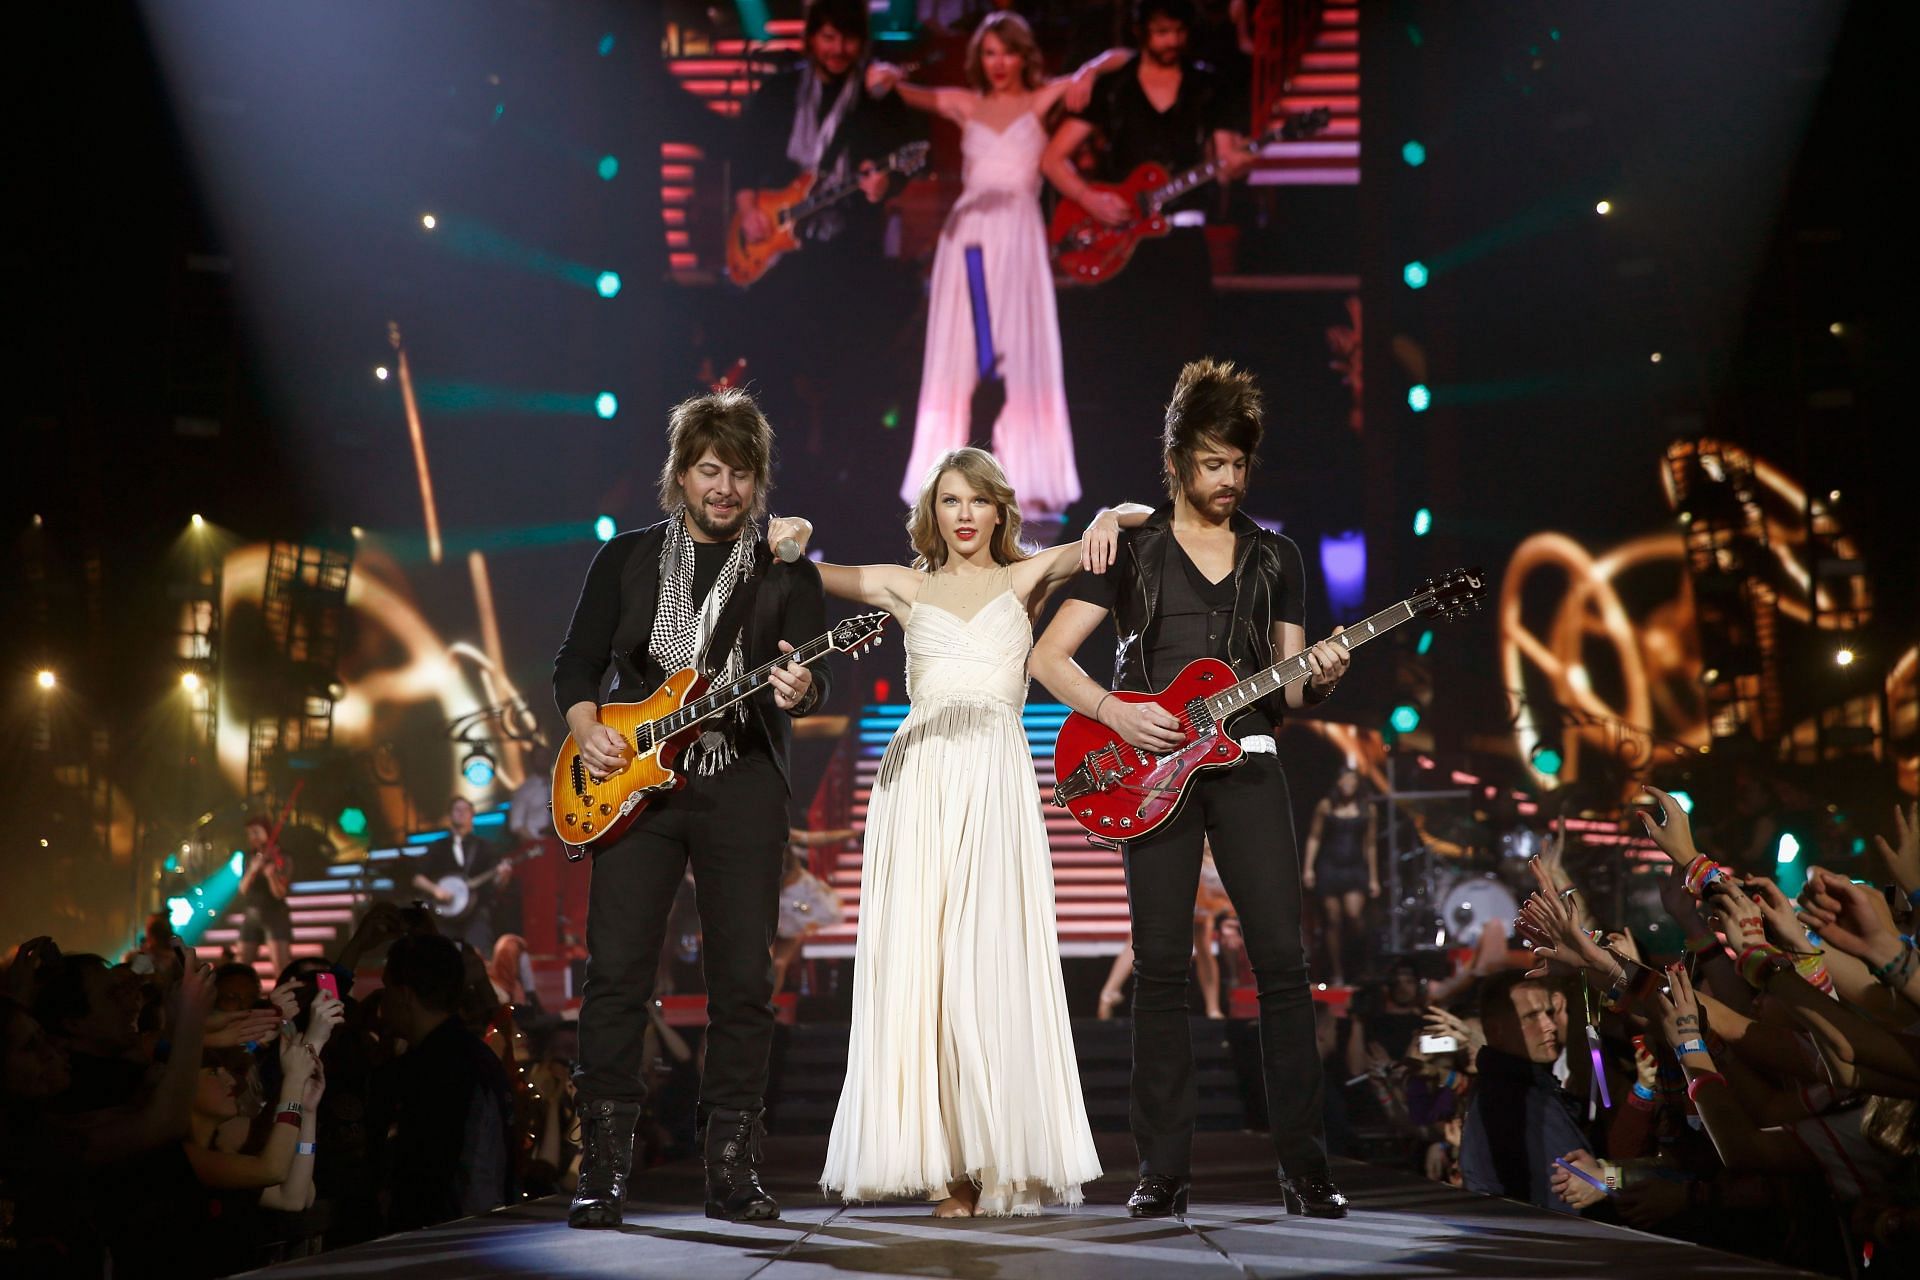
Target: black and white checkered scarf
<point>682,630</point>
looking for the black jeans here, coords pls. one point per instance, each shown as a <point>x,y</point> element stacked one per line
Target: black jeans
<point>732,827</point>
<point>1245,815</point>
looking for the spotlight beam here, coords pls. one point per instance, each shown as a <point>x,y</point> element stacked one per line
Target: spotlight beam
<point>405,371</point>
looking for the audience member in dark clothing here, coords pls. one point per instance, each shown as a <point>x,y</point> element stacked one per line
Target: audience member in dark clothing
<point>452,1103</point>
<point>1521,1118</point>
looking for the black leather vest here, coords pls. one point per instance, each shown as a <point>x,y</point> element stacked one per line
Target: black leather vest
<point>1256,578</point>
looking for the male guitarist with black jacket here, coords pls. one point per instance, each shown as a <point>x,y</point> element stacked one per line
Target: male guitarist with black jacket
<point>698,589</point>
<point>810,327</point>
<point>1201,580</point>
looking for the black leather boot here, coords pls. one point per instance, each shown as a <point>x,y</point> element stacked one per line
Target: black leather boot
<point>1314,1197</point>
<point>606,1157</point>
<point>731,1145</point>
<point>1157,1197</point>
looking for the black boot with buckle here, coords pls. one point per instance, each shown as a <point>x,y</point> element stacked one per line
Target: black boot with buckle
<point>606,1157</point>
<point>731,1146</point>
<point>1314,1197</point>
<point>1157,1197</point>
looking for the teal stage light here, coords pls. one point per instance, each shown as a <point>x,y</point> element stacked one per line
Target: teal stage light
<point>353,820</point>
<point>1415,274</point>
<point>477,768</point>
<point>1418,397</point>
<point>1405,718</point>
<point>1683,799</point>
<point>605,46</point>
<point>1547,760</point>
<point>604,528</point>
<point>1788,850</point>
<point>608,284</point>
<point>1414,154</point>
<point>605,405</point>
<point>180,912</point>
<point>1426,643</point>
<point>1422,522</point>
<point>608,168</point>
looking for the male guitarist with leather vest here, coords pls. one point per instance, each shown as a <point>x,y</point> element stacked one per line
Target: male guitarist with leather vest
<point>1170,110</point>
<point>1201,580</point>
<point>698,589</point>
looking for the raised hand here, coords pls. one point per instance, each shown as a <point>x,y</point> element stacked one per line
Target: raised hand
<point>1440,1022</point>
<point>316,1088</point>
<point>1675,837</point>
<point>237,1030</point>
<point>1849,916</point>
<point>327,1012</point>
<point>1646,1067</point>
<point>1557,937</point>
<point>1781,920</point>
<point>882,77</point>
<point>1676,1011</point>
<point>1736,915</point>
<point>1903,856</point>
<point>298,1059</point>
<point>1552,855</point>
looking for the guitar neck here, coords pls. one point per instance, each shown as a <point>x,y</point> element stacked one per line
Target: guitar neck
<point>1290,670</point>
<point>1201,174</point>
<point>750,683</point>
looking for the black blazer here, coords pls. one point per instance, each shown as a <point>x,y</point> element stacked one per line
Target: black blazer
<point>436,860</point>
<point>613,623</point>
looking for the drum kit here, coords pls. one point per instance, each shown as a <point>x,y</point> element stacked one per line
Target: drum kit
<point>1451,877</point>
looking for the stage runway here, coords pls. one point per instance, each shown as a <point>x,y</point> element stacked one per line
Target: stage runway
<point>1403,1226</point>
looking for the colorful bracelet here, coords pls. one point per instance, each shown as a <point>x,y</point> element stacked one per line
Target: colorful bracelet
<point>1693,1084</point>
<point>1700,873</point>
<point>1756,964</point>
<point>1685,1047</point>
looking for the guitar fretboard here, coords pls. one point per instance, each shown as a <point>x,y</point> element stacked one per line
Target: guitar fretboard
<point>718,699</point>
<point>1283,673</point>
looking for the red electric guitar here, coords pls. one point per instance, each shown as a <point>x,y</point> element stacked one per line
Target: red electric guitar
<point>1089,251</point>
<point>1119,792</point>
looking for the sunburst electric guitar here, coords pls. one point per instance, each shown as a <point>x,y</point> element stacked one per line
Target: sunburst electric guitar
<point>1118,791</point>
<point>589,810</point>
<point>788,208</point>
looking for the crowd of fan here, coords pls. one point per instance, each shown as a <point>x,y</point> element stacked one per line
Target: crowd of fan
<point>162,1117</point>
<point>1755,1094</point>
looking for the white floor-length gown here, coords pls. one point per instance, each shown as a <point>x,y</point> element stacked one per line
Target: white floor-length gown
<point>961,1062</point>
<point>999,210</point>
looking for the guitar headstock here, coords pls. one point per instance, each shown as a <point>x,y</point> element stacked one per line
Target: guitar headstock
<point>1453,596</point>
<point>911,158</point>
<point>857,634</point>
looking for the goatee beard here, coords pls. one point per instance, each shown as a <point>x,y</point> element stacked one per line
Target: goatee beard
<point>718,532</point>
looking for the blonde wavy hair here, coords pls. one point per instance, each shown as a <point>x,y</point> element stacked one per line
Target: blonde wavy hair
<point>1017,37</point>
<point>981,470</point>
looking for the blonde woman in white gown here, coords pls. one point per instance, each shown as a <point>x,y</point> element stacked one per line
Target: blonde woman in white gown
<point>1002,140</point>
<point>961,1079</point>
